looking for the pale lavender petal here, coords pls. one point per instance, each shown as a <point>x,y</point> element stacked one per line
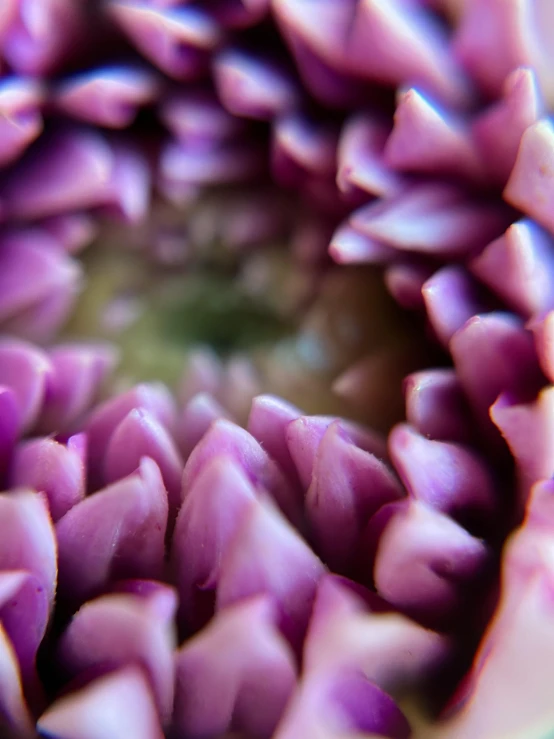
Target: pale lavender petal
<point>119,705</point>
<point>449,477</point>
<point>139,435</point>
<point>340,704</point>
<point>267,556</point>
<point>109,96</point>
<point>225,437</point>
<point>426,564</point>
<point>238,673</point>
<point>519,267</point>
<point>175,39</point>
<point>361,165</point>
<point>427,139</point>
<point>21,120</point>
<point>50,468</point>
<point>498,130</point>
<point>117,630</point>
<point>250,86</point>
<point>432,219</point>
<point>348,486</point>
<point>451,298</point>
<point>531,184</point>
<point>78,373</point>
<point>388,648</point>
<point>436,406</point>
<point>127,194</point>
<point>25,518</point>
<point>115,533</point>
<point>25,370</point>
<point>215,507</point>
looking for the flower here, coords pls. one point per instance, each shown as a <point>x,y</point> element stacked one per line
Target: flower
<point>229,231</point>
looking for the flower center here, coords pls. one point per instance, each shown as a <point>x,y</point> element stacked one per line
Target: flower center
<point>275,323</point>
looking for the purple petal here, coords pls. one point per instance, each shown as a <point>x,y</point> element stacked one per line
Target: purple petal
<point>10,426</point>
<point>116,630</point>
<point>267,556</point>
<point>432,219</point>
<point>15,712</point>
<point>400,43</point>
<point>41,34</point>
<point>519,267</point>
<point>25,518</point>
<point>174,39</point>
<point>427,139</point>
<point>195,419</point>
<point>531,184</point>
<point>73,231</point>
<point>25,370</point>
<point>436,406</point>
<point>251,87</point>
<point>238,673</point>
<point>425,563</point>
<point>119,705</point>
<point>493,353</point>
<point>405,283</point>
<point>109,96</point>
<point>214,509</point>
<point>21,121</point>
<point>342,703</point>
<point>32,272</point>
<point>449,477</point>
<point>361,165</point>
<point>77,166</point>
<point>498,130</point>
<point>78,373</point>
<point>106,417</point>
<point>527,429</point>
<point>348,486</point>
<point>115,533</point>
<point>268,421</point>
<point>227,438</point>
<point>139,435</point>
<point>451,298</point>
<point>349,246</point>
<point>198,117</point>
<point>50,468</point>
<point>304,436</point>
<point>388,648</point>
